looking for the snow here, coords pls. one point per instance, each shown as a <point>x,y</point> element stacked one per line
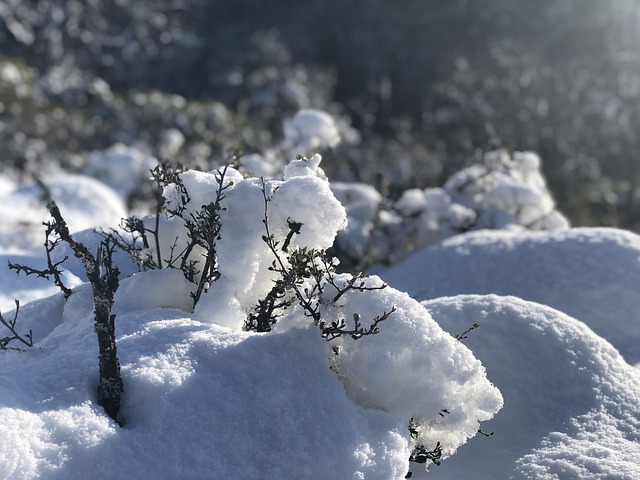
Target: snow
<point>123,168</point>
<point>85,201</point>
<point>310,130</point>
<point>549,370</point>
<point>571,407</point>
<point>213,401</point>
<point>591,274</point>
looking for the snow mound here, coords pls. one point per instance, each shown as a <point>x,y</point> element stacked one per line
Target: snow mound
<point>412,369</point>
<point>571,401</point>
<point>204,401</point>
<point>84,203</point>
<point>193,407</point>
<point>591,274</point>
<point>123,168</point>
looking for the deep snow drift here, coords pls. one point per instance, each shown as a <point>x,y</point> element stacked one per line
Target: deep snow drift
<point>591,274</point>
<point>572,407</point>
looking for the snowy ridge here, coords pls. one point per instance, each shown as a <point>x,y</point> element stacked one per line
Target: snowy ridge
<point>571,401</point>
<point>591,274</point>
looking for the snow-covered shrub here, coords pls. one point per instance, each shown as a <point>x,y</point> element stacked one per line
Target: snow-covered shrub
<point>305,133</point>
<point>268,252</point>
<point>506,191</point>
<point>251,253</point>
<point>502,192</point>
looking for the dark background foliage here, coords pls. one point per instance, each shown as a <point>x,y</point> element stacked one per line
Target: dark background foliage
<point>429,84</point>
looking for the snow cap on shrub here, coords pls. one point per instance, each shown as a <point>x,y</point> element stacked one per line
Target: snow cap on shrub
<point>506,191</point>
<point>413,369</point>
<point>243,256</point>
<point>305,167</point>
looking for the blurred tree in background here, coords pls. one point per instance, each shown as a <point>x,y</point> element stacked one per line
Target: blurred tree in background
<point>429,86</point>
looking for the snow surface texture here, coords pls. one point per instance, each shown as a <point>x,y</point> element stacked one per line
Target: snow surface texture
<point>205,400</point>
<point>502,192</point>
<point>571,401</point>
<point>592,274</point>
<point>201,401</point>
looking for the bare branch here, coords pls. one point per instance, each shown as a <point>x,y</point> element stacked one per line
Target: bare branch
<point>27,339</point>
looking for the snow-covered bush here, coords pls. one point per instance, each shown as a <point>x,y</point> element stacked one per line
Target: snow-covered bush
<point>305,133</point>
<point>505,192</point>
<point>267,251</point>
<point>502,192</point>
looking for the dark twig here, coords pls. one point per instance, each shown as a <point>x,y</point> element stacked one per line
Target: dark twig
<point>463,335</point>
<point>27,339</point>
<point>103,276</point>
<point>303,274</point>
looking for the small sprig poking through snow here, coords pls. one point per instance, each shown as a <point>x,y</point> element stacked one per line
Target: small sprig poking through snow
<point>336,329</point>
<point>351,285</point>
<point>303,274</point>
<point>463,335</point>
<point>27,339</point>
<point>143,239</point>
